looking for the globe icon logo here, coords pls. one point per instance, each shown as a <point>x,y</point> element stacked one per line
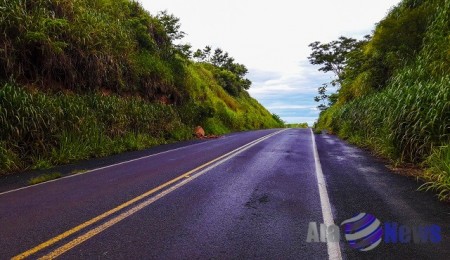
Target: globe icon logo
<point>363,232</point>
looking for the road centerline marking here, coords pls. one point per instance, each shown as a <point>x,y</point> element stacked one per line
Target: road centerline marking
<point>202,168</point>
<point>103,167</point>
<point>334,251</point>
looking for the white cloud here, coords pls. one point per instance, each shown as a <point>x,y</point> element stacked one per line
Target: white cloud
<point>304,82</point>
<point>271,37</point>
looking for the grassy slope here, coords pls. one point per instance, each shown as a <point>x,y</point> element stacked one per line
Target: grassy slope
<point>82,79</point>
<point>43,129</point>
<point>408,120</point>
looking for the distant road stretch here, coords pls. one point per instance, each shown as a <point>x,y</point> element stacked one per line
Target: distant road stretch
<point>251,195</point>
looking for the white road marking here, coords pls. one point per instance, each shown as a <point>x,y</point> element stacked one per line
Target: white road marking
<point>102,168</point>
<point>334,251</point>
<point>91,233</point>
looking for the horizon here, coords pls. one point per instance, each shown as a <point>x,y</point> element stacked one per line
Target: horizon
<point>283,80</point>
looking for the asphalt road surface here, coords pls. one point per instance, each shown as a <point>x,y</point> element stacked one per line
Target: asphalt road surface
<point>251,195</point>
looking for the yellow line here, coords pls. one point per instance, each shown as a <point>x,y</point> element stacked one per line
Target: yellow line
<point>130,202</point>
<point>61,250</point>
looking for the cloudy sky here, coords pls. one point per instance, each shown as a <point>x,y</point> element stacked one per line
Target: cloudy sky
<point>271,38</point>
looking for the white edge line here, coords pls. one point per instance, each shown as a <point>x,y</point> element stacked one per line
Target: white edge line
<point>218,161</point>
<point>334,251</point>
<point>101,168</point>
<point>143,204</point>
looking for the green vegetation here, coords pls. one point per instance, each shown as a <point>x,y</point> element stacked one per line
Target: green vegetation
<point>394,91</point>
<point>300,125</point>
<point>44,178</point>
<point>90,78</point>
<point>437,173</point>
<point>78,171</point>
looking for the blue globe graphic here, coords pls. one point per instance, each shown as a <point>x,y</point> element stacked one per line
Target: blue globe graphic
<point>363,232</point>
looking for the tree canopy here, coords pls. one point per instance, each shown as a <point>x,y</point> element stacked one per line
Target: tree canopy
<point>334,57</point>
<point>230,74</point>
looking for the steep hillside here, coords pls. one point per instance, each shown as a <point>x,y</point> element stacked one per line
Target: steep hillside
<point>395,91</point>
<point>89,78</point>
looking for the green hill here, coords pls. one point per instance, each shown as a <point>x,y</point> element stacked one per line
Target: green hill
<point>89,78</point>
<point>395,91</point>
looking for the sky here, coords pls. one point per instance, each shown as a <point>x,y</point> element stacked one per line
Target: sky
<point>271,39</point>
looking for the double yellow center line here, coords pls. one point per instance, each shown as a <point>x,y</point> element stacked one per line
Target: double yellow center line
<point>170,185</point>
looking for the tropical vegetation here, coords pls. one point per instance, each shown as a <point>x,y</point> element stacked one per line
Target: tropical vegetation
<point>89,78</point>
<point>394,89</point>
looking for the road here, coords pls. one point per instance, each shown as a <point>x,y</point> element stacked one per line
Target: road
<point>250,195</point>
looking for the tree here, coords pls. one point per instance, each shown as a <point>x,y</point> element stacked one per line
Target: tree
<point>322,97</point>
<point>171,25</point>
<point>219,58</point>
<point>184,50</point>
<point>333,57</point>
<point>199,55</point>
<point>229,74</point>
<point>203,55</point>
<point>207,52</point>
<point>278,119</point>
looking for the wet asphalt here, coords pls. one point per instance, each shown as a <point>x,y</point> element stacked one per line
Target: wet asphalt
<point>255,205</point>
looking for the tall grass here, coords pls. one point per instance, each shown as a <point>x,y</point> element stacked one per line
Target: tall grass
<point>437,173</point>
<point>88,45</point>
<point>62,128</point>
<point>410,119</point>
<point>89,78</point>
<point>225,112</point>
<point>40,129</point>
